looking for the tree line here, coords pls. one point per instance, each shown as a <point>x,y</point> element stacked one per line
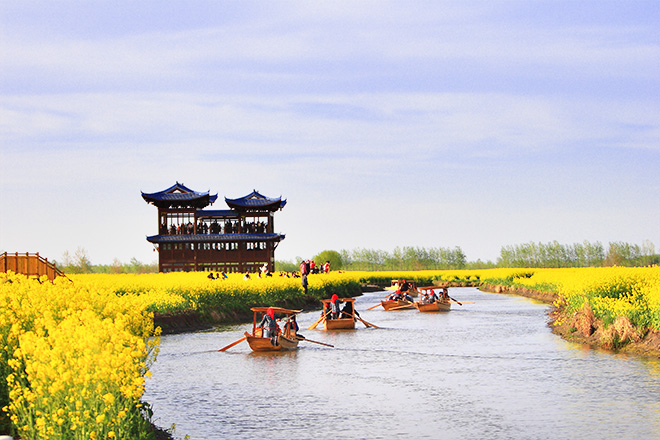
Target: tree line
<point>585,254</point>
<point>79,262</point>
<point>540,255</point>
<point>401,258</point>
<point>532,254</point>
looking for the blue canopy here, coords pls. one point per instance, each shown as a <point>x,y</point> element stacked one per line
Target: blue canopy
<point>179,195</point>
<point>257,202</point>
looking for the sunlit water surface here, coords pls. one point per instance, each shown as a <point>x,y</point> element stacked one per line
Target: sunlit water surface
<point>488,370</point>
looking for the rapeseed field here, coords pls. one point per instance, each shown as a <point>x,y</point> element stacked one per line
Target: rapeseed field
<point>74,353</point>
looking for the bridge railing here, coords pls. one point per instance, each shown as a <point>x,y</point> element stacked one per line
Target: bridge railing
<point>29,264</point>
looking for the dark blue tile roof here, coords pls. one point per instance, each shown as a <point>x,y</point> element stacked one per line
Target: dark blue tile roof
<point>213,238</point>
<point>254,200</point>
<point>179,194</point>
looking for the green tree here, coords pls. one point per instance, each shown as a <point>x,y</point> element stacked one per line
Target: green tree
<point>286,266</point>
<point>334,257</point>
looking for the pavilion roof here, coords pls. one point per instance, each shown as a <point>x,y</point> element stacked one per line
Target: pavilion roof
<point>256,201</point>
<point>179,195</point>
<point>213,238</point>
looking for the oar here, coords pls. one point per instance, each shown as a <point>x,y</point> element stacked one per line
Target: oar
<point>401,307</point>
<point>302,338</point>
<point>460,304</point>
<point>374,306</point>
<point>368,324</point>
<point>233,343</point>
<point>318,321</point>
<point>464,302</point>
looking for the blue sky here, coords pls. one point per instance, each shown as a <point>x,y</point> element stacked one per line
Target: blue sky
<point>384,124</point>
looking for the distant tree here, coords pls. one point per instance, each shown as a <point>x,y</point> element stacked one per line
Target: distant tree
<point>116,266</point>
<point>333,257</point>
<point>623,254</point>
<point>78,263</point>
<point>286,266</point>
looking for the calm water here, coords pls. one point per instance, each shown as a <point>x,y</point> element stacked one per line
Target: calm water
<point>491,369</point>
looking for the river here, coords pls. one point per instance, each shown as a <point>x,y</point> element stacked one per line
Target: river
<point>491,369</point>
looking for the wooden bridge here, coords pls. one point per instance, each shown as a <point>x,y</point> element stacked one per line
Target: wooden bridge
<point>29,264</point>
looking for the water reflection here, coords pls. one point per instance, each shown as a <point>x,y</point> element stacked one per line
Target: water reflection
<point>489,369</point>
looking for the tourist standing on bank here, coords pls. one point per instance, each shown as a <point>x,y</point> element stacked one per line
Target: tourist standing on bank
<point>304,283</point>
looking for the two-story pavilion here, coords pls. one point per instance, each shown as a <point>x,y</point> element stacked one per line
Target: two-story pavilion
<point>190,238</point>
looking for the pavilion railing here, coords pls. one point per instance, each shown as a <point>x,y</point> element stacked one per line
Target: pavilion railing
<point>29,264</point>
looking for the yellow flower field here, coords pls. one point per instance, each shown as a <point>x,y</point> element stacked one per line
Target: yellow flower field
<point>73,360</point>
<point>74,354</point>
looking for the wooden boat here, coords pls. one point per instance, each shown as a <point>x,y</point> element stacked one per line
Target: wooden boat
<point>442,304</point>
<point>347,317</point>
<point>285,340</point>
<point>436,306</point>
<point>396,284</point>
<point>346,320</point>
<point>390,304</point>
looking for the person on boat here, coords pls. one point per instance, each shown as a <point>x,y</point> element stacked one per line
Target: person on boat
<point>404,287</point>
<point>406,297</point>
<point>269,326</point>
<point>291,327</point>
<point>334,303</point>
<point>445,293</point>
<point>347,310</point>
<point>395,296</point>
<point>433,297</point>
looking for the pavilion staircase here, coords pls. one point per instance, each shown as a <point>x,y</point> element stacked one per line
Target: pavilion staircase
<point>29,264</point>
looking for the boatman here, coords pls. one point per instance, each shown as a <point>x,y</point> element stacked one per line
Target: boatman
<point>334,303</point>
<point>269,326</point>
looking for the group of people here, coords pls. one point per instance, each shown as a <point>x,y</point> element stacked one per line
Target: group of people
<point>402,293</point>
<point>400,296</point>
<point>218,276</point>
<point>429,296</point>
<point>334,310</point>
<point>226,227</point>
<point>260,274</point>
<point>309,266</point>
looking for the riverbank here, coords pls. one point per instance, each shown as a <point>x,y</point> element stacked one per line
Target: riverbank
<point>204,319</point>
<point>582,327</point>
